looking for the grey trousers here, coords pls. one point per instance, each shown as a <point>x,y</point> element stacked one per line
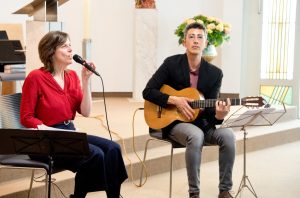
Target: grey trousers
<point>194,139</point>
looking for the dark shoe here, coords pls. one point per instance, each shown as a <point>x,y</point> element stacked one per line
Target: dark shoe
<point>226,194</point>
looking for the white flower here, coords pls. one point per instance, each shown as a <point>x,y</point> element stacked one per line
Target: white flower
<point>189,21</point>
<point>200,21</point>
<point>220,27</point>
<point>209,31</point>
<point>211,26</point>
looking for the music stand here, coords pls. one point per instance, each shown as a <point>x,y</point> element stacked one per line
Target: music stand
<point>44,143</point>
<point>251,117</point>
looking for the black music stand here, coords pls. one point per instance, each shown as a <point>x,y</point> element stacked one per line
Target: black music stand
<point>251,117</point>
<point>44,143</point>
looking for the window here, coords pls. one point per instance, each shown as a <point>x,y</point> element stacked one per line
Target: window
<point>275,94</point>
<point>277,62</point>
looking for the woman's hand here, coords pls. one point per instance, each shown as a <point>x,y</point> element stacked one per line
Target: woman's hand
<point>86,74</point>
<point>86,102</point>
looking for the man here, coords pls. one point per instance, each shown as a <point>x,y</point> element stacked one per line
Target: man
<point>190,70</point>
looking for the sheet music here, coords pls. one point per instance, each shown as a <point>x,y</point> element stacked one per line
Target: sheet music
<point>252,117</point>
<point>44,127</point>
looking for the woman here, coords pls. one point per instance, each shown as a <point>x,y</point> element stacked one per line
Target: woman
<point>51,96</point>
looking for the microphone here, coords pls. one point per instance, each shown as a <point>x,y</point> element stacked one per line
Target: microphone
<point>79,60</point>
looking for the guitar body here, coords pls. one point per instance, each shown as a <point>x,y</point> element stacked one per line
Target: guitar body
<point>157,117</point>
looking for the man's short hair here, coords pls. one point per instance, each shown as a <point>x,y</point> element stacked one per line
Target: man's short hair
<point>195,25</point>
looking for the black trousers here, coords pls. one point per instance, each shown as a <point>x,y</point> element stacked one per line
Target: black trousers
<point>103,169</point>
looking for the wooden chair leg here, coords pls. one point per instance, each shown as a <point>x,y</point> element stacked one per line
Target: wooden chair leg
<point>46,185</point>
<point>31,182</point>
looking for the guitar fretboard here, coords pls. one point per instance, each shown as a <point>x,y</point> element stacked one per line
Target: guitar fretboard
<point>211,102</point>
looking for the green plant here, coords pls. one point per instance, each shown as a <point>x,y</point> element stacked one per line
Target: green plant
<point>217,31</point>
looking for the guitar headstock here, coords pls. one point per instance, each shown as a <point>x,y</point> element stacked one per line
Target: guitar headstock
<point>254,101</point>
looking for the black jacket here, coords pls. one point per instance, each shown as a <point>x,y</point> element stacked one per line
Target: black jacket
<point>175,72</point>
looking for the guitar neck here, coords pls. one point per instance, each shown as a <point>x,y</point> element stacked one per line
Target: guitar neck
<point>212,103</point>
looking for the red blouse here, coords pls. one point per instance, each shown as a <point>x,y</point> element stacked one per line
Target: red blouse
<point>45,102</point>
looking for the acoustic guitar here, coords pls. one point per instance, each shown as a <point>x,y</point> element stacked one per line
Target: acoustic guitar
<point>157,117</point>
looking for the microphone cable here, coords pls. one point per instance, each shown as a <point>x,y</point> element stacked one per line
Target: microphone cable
<point>105,109</point>
<point>131,177</point>
<point>144,167</point>
<point>81,61</point>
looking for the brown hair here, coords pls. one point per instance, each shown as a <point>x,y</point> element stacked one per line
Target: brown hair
<point>48,45</point>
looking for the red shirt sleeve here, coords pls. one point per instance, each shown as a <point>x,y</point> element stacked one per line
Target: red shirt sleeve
<point>28,103</point>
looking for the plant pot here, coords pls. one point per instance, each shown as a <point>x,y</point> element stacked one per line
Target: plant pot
<point>209,53</point>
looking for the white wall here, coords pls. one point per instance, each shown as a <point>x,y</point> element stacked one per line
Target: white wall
<point>112,40</point>
<point>112,36</point>
<point>296,91</point>
<point>251,50</point>
<point>232,50</point>
<point>9,7</point>
<point>171,14</point>
<point>71,13</point>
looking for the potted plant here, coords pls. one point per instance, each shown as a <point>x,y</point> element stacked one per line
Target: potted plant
<point>217,33</point>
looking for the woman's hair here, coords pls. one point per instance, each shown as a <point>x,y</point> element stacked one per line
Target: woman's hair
<point>48,45</point>
<point>195,25</point>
